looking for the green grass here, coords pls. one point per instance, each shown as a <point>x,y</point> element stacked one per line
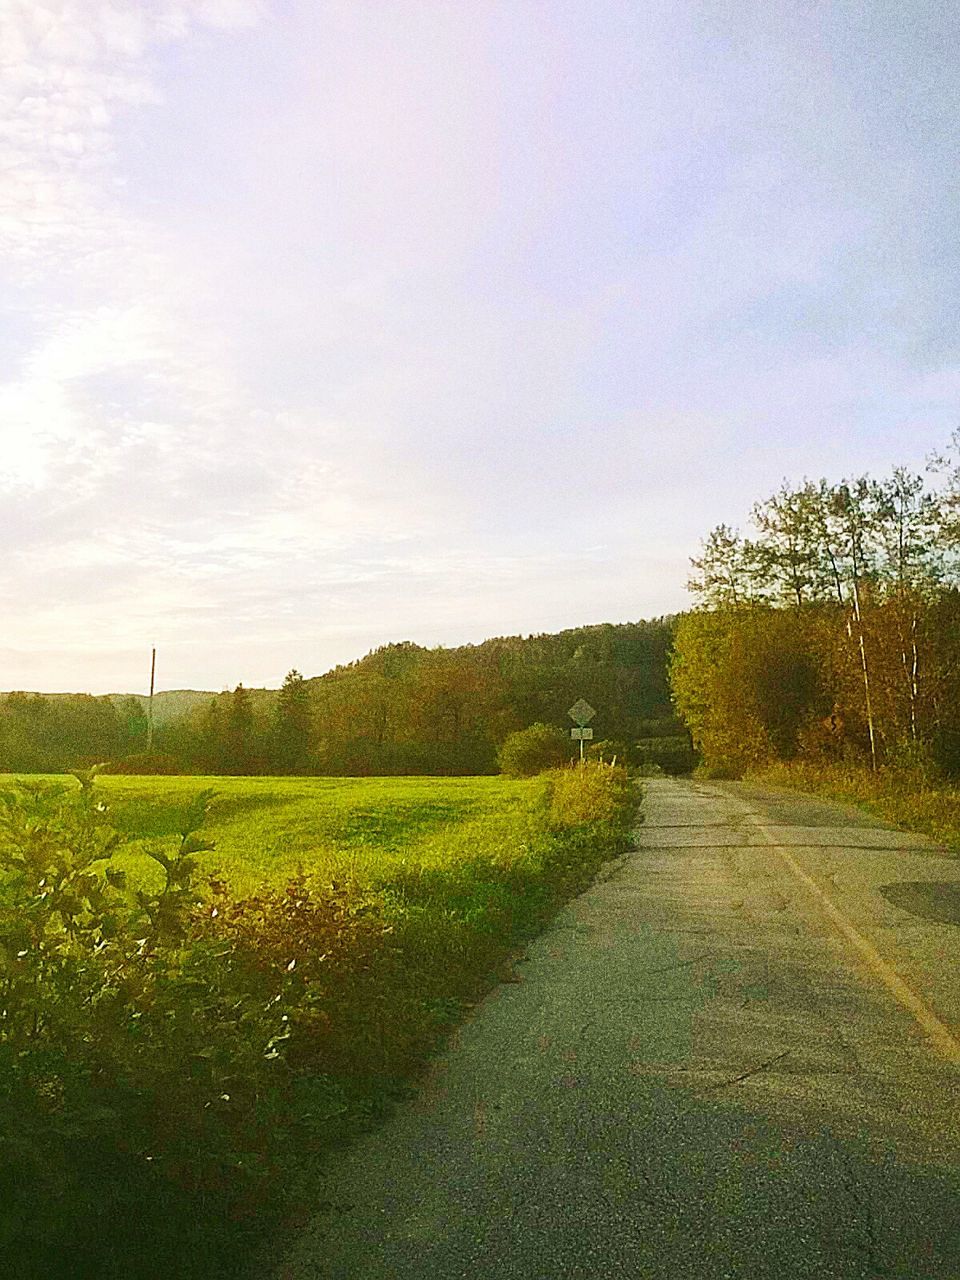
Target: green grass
<point>269,829</point>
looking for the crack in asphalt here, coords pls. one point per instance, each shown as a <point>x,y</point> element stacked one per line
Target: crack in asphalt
<point>845,848</point>
<point>745,1075</point>
<point>684,826</point>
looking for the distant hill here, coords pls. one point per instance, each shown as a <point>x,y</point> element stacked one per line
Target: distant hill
<point>169,705</point>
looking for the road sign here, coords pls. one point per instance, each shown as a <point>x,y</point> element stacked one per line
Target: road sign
<point>579,735</point>
<point>581,712</point>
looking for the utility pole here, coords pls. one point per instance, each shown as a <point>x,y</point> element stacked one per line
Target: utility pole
<point>153,671</point>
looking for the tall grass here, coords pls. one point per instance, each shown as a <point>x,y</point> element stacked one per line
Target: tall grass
<point>908,797</point>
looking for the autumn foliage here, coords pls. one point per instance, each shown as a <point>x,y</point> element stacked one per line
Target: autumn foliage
<point>834,634</point>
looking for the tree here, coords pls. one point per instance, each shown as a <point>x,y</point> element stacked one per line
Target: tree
<point>292,738</point>
<point>745,682</point>
<point>908,524</point>
<point>238,745</point>
<point>133,717</point>
<point>869,569</point>
<point>948,465</point>
<point>856,509</point>
<point>725,575</point>
<point>786,556</point>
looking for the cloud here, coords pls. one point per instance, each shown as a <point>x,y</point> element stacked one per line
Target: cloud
<point>98,282</point>
<point>69,72</point>
<point>136,478</point>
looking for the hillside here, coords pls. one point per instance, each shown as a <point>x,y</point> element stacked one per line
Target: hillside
<point>401,709</point>
<point>404,708</point>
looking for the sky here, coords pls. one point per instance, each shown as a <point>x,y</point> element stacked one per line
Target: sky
<point>330,323</point>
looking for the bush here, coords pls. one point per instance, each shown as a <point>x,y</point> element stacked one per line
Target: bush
<point>607,750</point>
<point>138,1052</point>
<point>946,750</point>
<point>533,750</point>
<point>594,794</point>
<point>650,771</point>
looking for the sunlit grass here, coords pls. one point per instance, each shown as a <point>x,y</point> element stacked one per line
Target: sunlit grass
<point>268,829</point>
<point>906,798</point>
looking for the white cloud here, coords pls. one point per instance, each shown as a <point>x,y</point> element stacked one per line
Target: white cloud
<point>67,71</point>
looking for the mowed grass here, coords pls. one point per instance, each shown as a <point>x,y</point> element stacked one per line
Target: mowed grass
<point>267,830</point>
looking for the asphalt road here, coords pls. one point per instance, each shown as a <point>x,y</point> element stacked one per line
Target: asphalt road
<point>738,1055</point>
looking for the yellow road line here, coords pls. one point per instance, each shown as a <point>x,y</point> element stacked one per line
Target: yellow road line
<point>939,1033</point>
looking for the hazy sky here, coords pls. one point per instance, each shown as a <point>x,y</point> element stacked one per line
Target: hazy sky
<point>329,324</point>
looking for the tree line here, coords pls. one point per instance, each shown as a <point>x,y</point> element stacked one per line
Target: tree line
<point>402,709</point>
<point>44,734</point>
<point>833,629</point>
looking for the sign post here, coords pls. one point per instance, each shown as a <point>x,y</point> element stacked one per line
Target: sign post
<point>581,713</point>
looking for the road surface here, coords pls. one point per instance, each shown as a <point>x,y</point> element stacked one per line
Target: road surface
<point>737,1055</point>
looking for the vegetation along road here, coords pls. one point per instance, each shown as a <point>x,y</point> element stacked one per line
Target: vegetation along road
<point>732,1057</point>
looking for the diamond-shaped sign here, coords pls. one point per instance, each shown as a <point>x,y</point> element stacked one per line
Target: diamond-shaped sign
<point>581,712</point>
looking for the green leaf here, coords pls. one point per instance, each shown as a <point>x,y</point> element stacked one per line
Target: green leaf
<point>196,811</point>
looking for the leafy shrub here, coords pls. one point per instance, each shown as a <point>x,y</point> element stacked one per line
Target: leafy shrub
<point>533,750</point>
<point>124,1033</point>
<point>609,750</point>
<point>593,794</point>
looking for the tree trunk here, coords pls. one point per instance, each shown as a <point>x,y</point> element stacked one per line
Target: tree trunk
<point>868,701</point>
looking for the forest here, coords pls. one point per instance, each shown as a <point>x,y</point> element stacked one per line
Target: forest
<point>832,632</point>
<point>403,709</point>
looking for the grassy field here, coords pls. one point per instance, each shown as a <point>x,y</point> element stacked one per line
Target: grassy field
<point>268,829</point>
<point>187,1028</point>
